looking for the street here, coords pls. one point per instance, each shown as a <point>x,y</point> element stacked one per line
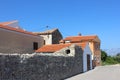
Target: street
<point>111,72</point>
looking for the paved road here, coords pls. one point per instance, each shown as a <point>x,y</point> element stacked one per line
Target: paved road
<point>100,73</point>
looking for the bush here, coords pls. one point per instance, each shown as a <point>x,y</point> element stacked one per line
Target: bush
<point>111,60</point>
<point>103,56</point>
<point>117,57</point>
<point>108,60</point>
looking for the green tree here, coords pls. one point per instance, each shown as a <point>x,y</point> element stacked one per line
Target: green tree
<point>111,60</point>
<point>117,57</point>
<point>103,55</point>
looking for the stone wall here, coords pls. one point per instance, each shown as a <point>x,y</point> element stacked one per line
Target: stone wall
<point>39,67</point>
<point>16,42</point>
<point>56,37</point>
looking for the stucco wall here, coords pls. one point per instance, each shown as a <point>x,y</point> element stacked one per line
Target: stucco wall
<point>15,42</point>
<point>39,67</point>
<point>47,38</point>
<point>52,38</point>
<point>87,51</point>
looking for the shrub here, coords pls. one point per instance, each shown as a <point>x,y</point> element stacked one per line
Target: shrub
<point>111,60</point>
<point>103,56</point>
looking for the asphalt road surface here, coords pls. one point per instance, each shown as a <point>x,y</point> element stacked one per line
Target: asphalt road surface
<point>111,72</point>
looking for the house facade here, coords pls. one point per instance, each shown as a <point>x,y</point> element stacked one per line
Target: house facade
<point>57,63</point>
<point>94,44</point>
<point>13,39</point>
<point>70,50</point>
<point>87,58</point>
<point>50,36</point>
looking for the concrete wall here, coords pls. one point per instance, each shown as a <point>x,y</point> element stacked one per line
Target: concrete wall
<point>40,67</point>
<point>16,42</point>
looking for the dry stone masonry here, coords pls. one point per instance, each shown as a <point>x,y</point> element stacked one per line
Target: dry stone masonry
<point>39,67</point>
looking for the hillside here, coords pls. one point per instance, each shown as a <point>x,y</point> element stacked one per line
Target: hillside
<point>112,51</point>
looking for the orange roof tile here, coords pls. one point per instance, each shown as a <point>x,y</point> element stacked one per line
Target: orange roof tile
<point>52,48</point>
<point>80,38</point>
<point>5,23</point>
<point>57,47</point>
<point>82,45</point>
<point>16,29</point>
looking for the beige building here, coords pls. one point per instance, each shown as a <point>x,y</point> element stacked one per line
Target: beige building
<point>50,36</point>
<point>94,43</point>
<point>13,39</point>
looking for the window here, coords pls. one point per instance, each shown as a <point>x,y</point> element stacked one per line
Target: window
<point>35,45</point>
<point>67,51</point>
<point>44,42</point>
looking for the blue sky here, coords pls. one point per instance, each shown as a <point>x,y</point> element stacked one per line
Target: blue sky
<point>89,17</point>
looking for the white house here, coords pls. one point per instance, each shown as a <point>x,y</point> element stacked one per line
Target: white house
<point>52,36</point>
<point>87,58</point>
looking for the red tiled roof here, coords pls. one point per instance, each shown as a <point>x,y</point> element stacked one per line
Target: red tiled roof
<point>79,38</point>
<point>52,48</point>
<point>82,45</point>
<point>57,47</point>
<point>6,23</point>
<point>46,32</point>
<point>16,29</point>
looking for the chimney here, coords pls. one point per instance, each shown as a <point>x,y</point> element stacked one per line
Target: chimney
<point>79,34</point>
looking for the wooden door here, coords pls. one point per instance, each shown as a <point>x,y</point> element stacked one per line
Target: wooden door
<point>88,62</point>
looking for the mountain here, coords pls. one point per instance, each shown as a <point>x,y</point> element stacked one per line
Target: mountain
<point>112,52</point>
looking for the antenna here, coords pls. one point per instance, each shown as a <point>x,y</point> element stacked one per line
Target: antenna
<point>47,27</point>
<point>47,32</point>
